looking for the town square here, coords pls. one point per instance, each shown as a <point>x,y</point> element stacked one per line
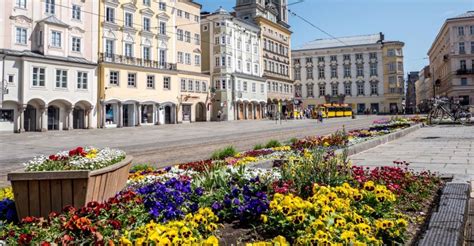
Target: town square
<point>237,122</point>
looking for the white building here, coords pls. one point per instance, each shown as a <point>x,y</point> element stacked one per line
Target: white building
<point>231,55</point>
<point>346,70</point>
<point>48,65</point>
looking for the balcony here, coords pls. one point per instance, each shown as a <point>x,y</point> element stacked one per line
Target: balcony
<point>464,71</point>
<point>132,61</point>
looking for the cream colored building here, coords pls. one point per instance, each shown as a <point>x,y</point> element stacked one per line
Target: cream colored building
<point>272,18</point>
<point>48,52</point>
<point>351,70</point>
<point>452,59</point>
<point>424,90</point>
<point>150,63</point>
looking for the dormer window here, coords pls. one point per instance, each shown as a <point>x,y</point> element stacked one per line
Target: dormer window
<point>50,6</point>
<point>56,39</point>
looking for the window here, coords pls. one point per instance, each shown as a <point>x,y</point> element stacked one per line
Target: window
<point>360,89</point>
<point>6,115</point>
<point>374,88</point>
<point>310,90</point>
<point>223,61</point>
<point>392,67</point>
<point>321,72</point>
<point>239,65</point>
<point>391,52</point>
<point>471,30</point>
<point>254,87</point>
<point>128,50</point>
<point>162,28</point>
<point>333,71</point>
<point>460,30</point>
<point>462,50</point>
<point>359,56</point>
<point>132,80</point>
<point>146,24</point>
<point>373,69</point>
<point>191,85</point>
<point>38,76</point>
<point>21,35</point>
<point>167,83</point>
<point>334,90</point>
<point>322,90</point>
<point>162,6</point>
<point>224,84</point>
<point>309,73</point>
<point>205,28</point>
<point>255,69</point>
<point>61,78</point>
<point>197,39</point>
<point>76,12</point>
<point>11,78</point>
<point>146,2</point>
<point>218,61</point>
<point>82,80</point>
<point>400,66</point>
<point>204,86</point>
<point>196,18</point>
<point>76,44</point>
<point>333,58</point>
<point>180,57</point>
<point>180,35</point>
<point>321,59</point>
<point>248,67</point>
<point>347,71</point>
<point>186,15</point>
<point>183,85</point>
<point>463,81</point>
<point>262,88</point>
<point>197,60</point>
<point>146,53</point>
<point>55,39</point>
<point>347,57</point>
<point>187,57</point>
<point>373,55</point>
<point>347,89</point>
<point>21,4</point>
<point>245,86</point>
<point>197,86</point>
<point>110,14</point>
<point>128,19</point>
<point>472,47</point>
<point>50,6</point>
<point>150,81</point>
<point>114,78</point>
<point>187,36</point>
<point>179,13</point>
<point>462,65</point>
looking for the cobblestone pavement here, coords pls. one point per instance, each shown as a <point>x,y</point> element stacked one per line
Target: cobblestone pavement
<point>167,144</point>
<point>444,149</point>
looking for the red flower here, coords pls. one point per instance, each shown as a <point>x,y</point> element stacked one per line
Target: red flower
<point>115,224</point>
<point>29,219</point>
<point>25,239</point>
<point>45,244</point>
<point>66,239</point>
<point>53,157</point>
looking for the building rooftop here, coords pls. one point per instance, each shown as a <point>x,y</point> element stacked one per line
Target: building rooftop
<point>342,41</point>
<point>468,14</point>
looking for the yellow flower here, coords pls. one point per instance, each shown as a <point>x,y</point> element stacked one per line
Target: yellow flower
<point>211,227</point>
<point>401,222</point>
<point>211,241</point>
<point>264,218</point>
<point>348,236</point>
<point>125,241</point>
<point>6,193</point>
<point>280,241</point>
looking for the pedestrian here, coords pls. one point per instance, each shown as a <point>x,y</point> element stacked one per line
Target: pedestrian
<point>219,113</point>
<point>320,116</point>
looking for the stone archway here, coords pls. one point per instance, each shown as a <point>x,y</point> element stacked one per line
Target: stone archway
<point>201,112</point>
<point>35,116</point>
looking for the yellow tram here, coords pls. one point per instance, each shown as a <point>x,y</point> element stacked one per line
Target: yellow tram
<point>336,110</point>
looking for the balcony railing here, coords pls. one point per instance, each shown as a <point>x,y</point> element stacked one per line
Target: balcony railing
<point>126,60</point>
<point>464,71</point>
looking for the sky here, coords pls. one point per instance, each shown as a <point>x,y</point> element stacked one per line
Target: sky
<point>414,22</point>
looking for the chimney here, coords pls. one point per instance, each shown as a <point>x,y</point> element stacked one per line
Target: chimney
<point>382,37</point>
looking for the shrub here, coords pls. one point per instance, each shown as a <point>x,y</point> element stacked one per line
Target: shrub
<point>223,153</point>
<point>141,167</point>
<point>272,144</point>
<point>258,147</point>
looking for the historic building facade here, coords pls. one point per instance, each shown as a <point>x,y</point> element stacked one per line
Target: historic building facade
<point>275,35</point>
<point>231,55</point>
<point>48,60</point>
<point>424,90</point>
<point>150,63</point>
<point>452,59</point>
<point>410,99</point>
<point>347,70</point>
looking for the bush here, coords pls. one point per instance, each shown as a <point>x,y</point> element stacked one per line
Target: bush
<point>223,153</point>
<point>272,144</point>
<point>141,167</point>
<point>258,147</point>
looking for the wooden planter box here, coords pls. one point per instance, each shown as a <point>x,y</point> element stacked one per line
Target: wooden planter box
<point>40,193</point>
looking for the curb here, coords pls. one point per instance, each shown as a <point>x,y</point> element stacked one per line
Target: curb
<point>355,149</point>
<point>446,225</point>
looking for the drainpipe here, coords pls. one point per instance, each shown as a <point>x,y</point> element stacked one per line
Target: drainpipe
<point>3,81</point>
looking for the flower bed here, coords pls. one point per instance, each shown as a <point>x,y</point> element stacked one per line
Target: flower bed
<point>315,197</point>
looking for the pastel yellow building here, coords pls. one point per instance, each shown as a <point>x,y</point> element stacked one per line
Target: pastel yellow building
<point>392,56</point>
<point>150,68</point>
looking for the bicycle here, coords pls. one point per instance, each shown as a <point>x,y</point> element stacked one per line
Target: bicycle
<point>444,109</point>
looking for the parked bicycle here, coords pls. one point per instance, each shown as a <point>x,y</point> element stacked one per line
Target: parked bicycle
<point>443,109</point>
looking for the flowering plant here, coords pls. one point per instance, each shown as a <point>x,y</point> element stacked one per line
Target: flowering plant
<point>80,158</point>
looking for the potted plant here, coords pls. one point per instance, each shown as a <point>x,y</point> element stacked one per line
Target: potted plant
<point>73,177</point>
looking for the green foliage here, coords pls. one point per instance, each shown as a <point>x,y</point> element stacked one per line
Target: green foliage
<point>223,153</point>
<point>141,167</point>
<point>258,146</point>
<point>272,144</point>
<point>293,141</point>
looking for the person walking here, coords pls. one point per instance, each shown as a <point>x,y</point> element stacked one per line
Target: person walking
<point>320,115</point>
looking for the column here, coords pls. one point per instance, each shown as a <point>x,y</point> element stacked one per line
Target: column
<point>70,120</point>
<point>156,112</point>
<point>246,110</point>
<point>236,110</point>
<point>139,121</point>
<point>21,112</point>
<point>102,115</point>
<point>43,118</point>
<point>120,115</point>
<point>88,114</point>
